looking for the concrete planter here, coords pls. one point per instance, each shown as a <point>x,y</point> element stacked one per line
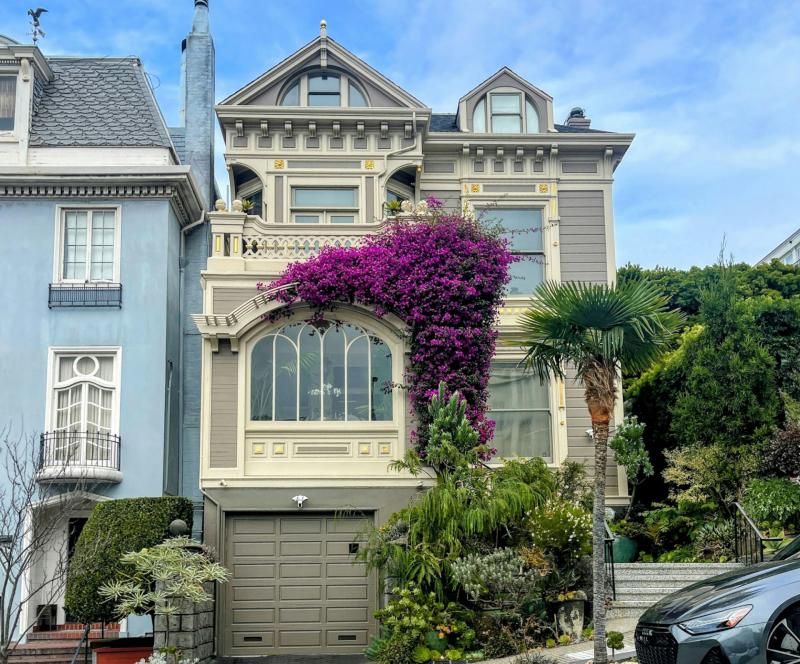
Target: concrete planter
<point>569,617</point>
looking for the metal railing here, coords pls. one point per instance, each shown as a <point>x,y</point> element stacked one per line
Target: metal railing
<point>748,541</point>
<point>90,449</point>
<point>611,580</point>
<point>89,294</point>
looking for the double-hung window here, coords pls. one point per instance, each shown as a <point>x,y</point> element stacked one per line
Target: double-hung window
<point>519,403</point>
<point>506,113</point>
<point>8,102</point>
<point>88,245</point>
<point>83,421</point>
<point>523,229</point>
<point>325,205</point>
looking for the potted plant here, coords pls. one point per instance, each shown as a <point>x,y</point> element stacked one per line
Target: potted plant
<point>615,641</point>
<point>247,206</point>
<point>393,207</point>
<point>625,546</point>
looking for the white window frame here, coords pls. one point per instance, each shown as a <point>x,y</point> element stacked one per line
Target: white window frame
<point>344,89</point>
<point>524,99</point>
<point>12,73</point>
<point>325,213</point>
<point>53,385</point>
<point>58,258</point>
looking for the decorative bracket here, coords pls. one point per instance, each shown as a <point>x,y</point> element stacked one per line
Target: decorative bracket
<point>239,128</point>
<point>337,129</point>
<point>520,152</point>
<point>408,130</point>
<point>360,129</point>
<point>465,149</point>
<point>384,130</point>
<point>479,152</point>
<point>287,128</point>
<point>265,129</point>
<point>312,129</point>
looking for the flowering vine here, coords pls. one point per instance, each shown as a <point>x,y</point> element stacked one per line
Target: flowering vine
<point>444,276</point>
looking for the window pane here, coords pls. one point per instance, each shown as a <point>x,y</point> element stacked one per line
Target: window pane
<point>343,219</point>
<point>310,373</point>
<point>325,197</point>
<point>358,379</point>
<point>333,386</point>
<point>75,244</point>
<point>323,83</point>
<point>531,118</point>
<point>356,98</point>
<point>261,380</point>
<point>511,387</point>
<point>506,124</point>
<point>505,103</point>
<point>323,99</point>
<point>102,264</point>
<point>524,434</point>
<point>292,96</point>
<point>522,227</point>
<point>381,380</point>
<point>306,218</point>
<point>479,117</point>
<point>526,274</point>
<point>8,100</point>
<point>285,378</point>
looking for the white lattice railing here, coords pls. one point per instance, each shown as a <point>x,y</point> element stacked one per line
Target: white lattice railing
<point>297,241</point>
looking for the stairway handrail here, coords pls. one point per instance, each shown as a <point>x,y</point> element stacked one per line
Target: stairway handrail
<point>754,536</point>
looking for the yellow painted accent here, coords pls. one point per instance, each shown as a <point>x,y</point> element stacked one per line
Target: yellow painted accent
<point>278,448</point>
<point>543,188</point>
<point>218,244</point>
<point>369,164</point>
<point>258,449</point>
<point>386,449</point>
<point>562,395</point>
<point>475,188</point>
<point>364,448</point>
<point>235,245</point>
<point>279,164</point>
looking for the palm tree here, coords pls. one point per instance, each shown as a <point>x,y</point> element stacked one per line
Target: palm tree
<point>597,331</point>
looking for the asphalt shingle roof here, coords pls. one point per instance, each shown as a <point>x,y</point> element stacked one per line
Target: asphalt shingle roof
<point>447,122</point>
<point>178,136</point>
<point>98,102</point>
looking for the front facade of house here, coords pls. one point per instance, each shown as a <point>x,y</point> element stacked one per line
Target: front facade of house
<point>100,207</point>
<point>295,439</point>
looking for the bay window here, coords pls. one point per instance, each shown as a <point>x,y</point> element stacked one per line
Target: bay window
<point>519,403</point>
<point>325,205</point>
<point>320,371</point>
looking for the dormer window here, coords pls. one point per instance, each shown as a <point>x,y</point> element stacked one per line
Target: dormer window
<point>324,88</point>
<point>502,112</point>
<point>8,101</point>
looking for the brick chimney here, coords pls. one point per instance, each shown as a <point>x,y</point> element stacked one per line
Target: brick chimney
<point>197,100</point>
<point>577,118</point>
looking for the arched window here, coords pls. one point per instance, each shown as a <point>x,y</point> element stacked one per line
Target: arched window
<point>531,118</point>
<point>320,371</point>
<point>479,117</point>
<point>501,113</point>
<point>324,88</point>
<point>292,95</point>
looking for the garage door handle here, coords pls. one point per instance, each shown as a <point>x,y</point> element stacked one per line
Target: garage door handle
<point>253,638</point>
<point>347,637</point>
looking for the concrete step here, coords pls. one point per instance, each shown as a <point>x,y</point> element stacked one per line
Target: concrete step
<point>660,568</point>
<point>651,595</point>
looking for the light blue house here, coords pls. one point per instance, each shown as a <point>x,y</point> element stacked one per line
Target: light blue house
<point>103,208</point>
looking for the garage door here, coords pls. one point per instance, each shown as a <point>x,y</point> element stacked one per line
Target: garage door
<point>296,587</point>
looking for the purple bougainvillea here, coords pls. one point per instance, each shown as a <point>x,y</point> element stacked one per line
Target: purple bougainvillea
<point>444,277</point>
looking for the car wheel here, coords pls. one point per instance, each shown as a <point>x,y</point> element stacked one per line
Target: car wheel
<point>783,646</point>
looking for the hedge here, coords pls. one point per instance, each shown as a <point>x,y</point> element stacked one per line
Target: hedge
<point>115,527</point>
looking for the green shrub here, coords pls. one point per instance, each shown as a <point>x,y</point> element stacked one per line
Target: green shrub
<point>562,529</point>
<point>495,580</point>
<point>715,541</point>
<point>782,457</point>
<point>673,526</point>
<point>773,499</point>
<point>114,528</point>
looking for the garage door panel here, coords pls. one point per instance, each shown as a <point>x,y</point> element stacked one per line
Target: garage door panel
<point>254,525</point>
<point>253,639</point>
<point>301,548</point>
<point>350,637</point>
<point>250,593</point>
<point>355,591</point>
<point>296,588</point>
<point>246,616</point>
<point>334,570</point>
<point>254,571</point>
<point>307,638</point>
<point>293,593</point>
<point>350,615</point>
<point>300,526</point>
<point>254,549</point>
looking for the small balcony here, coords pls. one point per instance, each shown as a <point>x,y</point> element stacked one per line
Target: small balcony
<point>87,294</point>
<point>77,456</point>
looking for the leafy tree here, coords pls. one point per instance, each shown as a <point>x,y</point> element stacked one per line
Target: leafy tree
<point>599,330</point>
<point>723,417</point>
<point>630,452</point>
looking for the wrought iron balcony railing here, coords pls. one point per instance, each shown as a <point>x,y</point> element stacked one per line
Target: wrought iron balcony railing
<point>76,455</point>
<point>88,294</point>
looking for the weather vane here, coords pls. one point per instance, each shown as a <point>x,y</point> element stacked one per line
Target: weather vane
<point>36,28</point>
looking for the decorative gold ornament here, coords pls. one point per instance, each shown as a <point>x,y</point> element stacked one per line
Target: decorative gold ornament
<point>543,188</point>
<point>475,188</point>
<point>369,164</point>
<point>279,164</point>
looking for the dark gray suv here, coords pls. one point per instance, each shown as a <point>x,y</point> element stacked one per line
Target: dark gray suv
<point>747,616</point>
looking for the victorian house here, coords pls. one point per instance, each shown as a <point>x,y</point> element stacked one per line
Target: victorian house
<point>294,440</point>
<point>104,206</point>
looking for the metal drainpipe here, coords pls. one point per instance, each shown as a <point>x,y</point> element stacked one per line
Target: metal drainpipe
<point>401,150</point>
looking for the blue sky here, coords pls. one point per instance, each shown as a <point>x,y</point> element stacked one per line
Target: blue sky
<point>712,89</point>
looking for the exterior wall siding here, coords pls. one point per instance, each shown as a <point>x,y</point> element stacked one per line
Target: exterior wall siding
<point>582,232</point>
<point>226,300</point>
<point>224,407</point>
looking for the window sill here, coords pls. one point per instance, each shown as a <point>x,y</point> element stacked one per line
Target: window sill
<point>84,294</point>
